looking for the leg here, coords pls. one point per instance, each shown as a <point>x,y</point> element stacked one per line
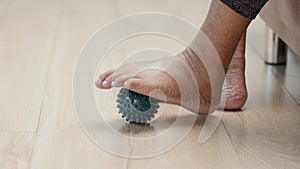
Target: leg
<point>275,48</point>
<point>223,27</point>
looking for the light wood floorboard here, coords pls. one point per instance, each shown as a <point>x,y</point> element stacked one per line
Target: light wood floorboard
<point>268,152</point>
<point>270,110</point>
<point>26,40</point>
<point>16,150</point>
<point>39,44</point>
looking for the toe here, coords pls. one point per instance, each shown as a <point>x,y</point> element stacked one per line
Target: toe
<point>120,80</point>
<point>135,84</point>
<point>104,80</point>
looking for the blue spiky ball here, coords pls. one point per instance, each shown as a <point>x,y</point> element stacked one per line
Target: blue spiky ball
<point>135,107</point>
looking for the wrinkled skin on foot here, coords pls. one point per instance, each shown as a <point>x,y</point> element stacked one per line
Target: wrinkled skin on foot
<point>234,87</point>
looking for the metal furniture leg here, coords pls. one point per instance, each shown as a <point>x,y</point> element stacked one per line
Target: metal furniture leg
<point>275,48</point>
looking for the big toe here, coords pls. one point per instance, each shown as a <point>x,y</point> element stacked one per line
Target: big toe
<point>136,85</point>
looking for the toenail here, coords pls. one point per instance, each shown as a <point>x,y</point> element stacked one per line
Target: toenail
<point>113,84</point>
<point>105,84</point>
<point>97,81</point>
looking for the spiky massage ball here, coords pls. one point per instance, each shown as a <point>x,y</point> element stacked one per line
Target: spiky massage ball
<point>135,107</point>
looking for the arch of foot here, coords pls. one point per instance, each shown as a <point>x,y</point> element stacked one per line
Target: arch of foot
<point>192,79</point>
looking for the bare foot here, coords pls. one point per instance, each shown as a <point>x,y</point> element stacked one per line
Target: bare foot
<point>235,88</point>
<point>181,78</point>
<point>223,29</point>
<point>132,76</point>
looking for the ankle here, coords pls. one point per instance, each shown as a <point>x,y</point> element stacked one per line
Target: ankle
<point>208,103</point>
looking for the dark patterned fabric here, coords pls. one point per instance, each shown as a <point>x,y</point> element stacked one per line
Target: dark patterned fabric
<point>247,8</point>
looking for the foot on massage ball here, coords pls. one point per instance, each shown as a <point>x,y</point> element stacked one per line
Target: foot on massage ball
<point>135,107</point>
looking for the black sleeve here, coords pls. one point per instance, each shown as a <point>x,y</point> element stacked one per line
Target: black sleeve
<point>246,8</point>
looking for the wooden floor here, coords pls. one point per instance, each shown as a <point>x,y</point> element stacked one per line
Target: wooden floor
<point>39,44</point>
